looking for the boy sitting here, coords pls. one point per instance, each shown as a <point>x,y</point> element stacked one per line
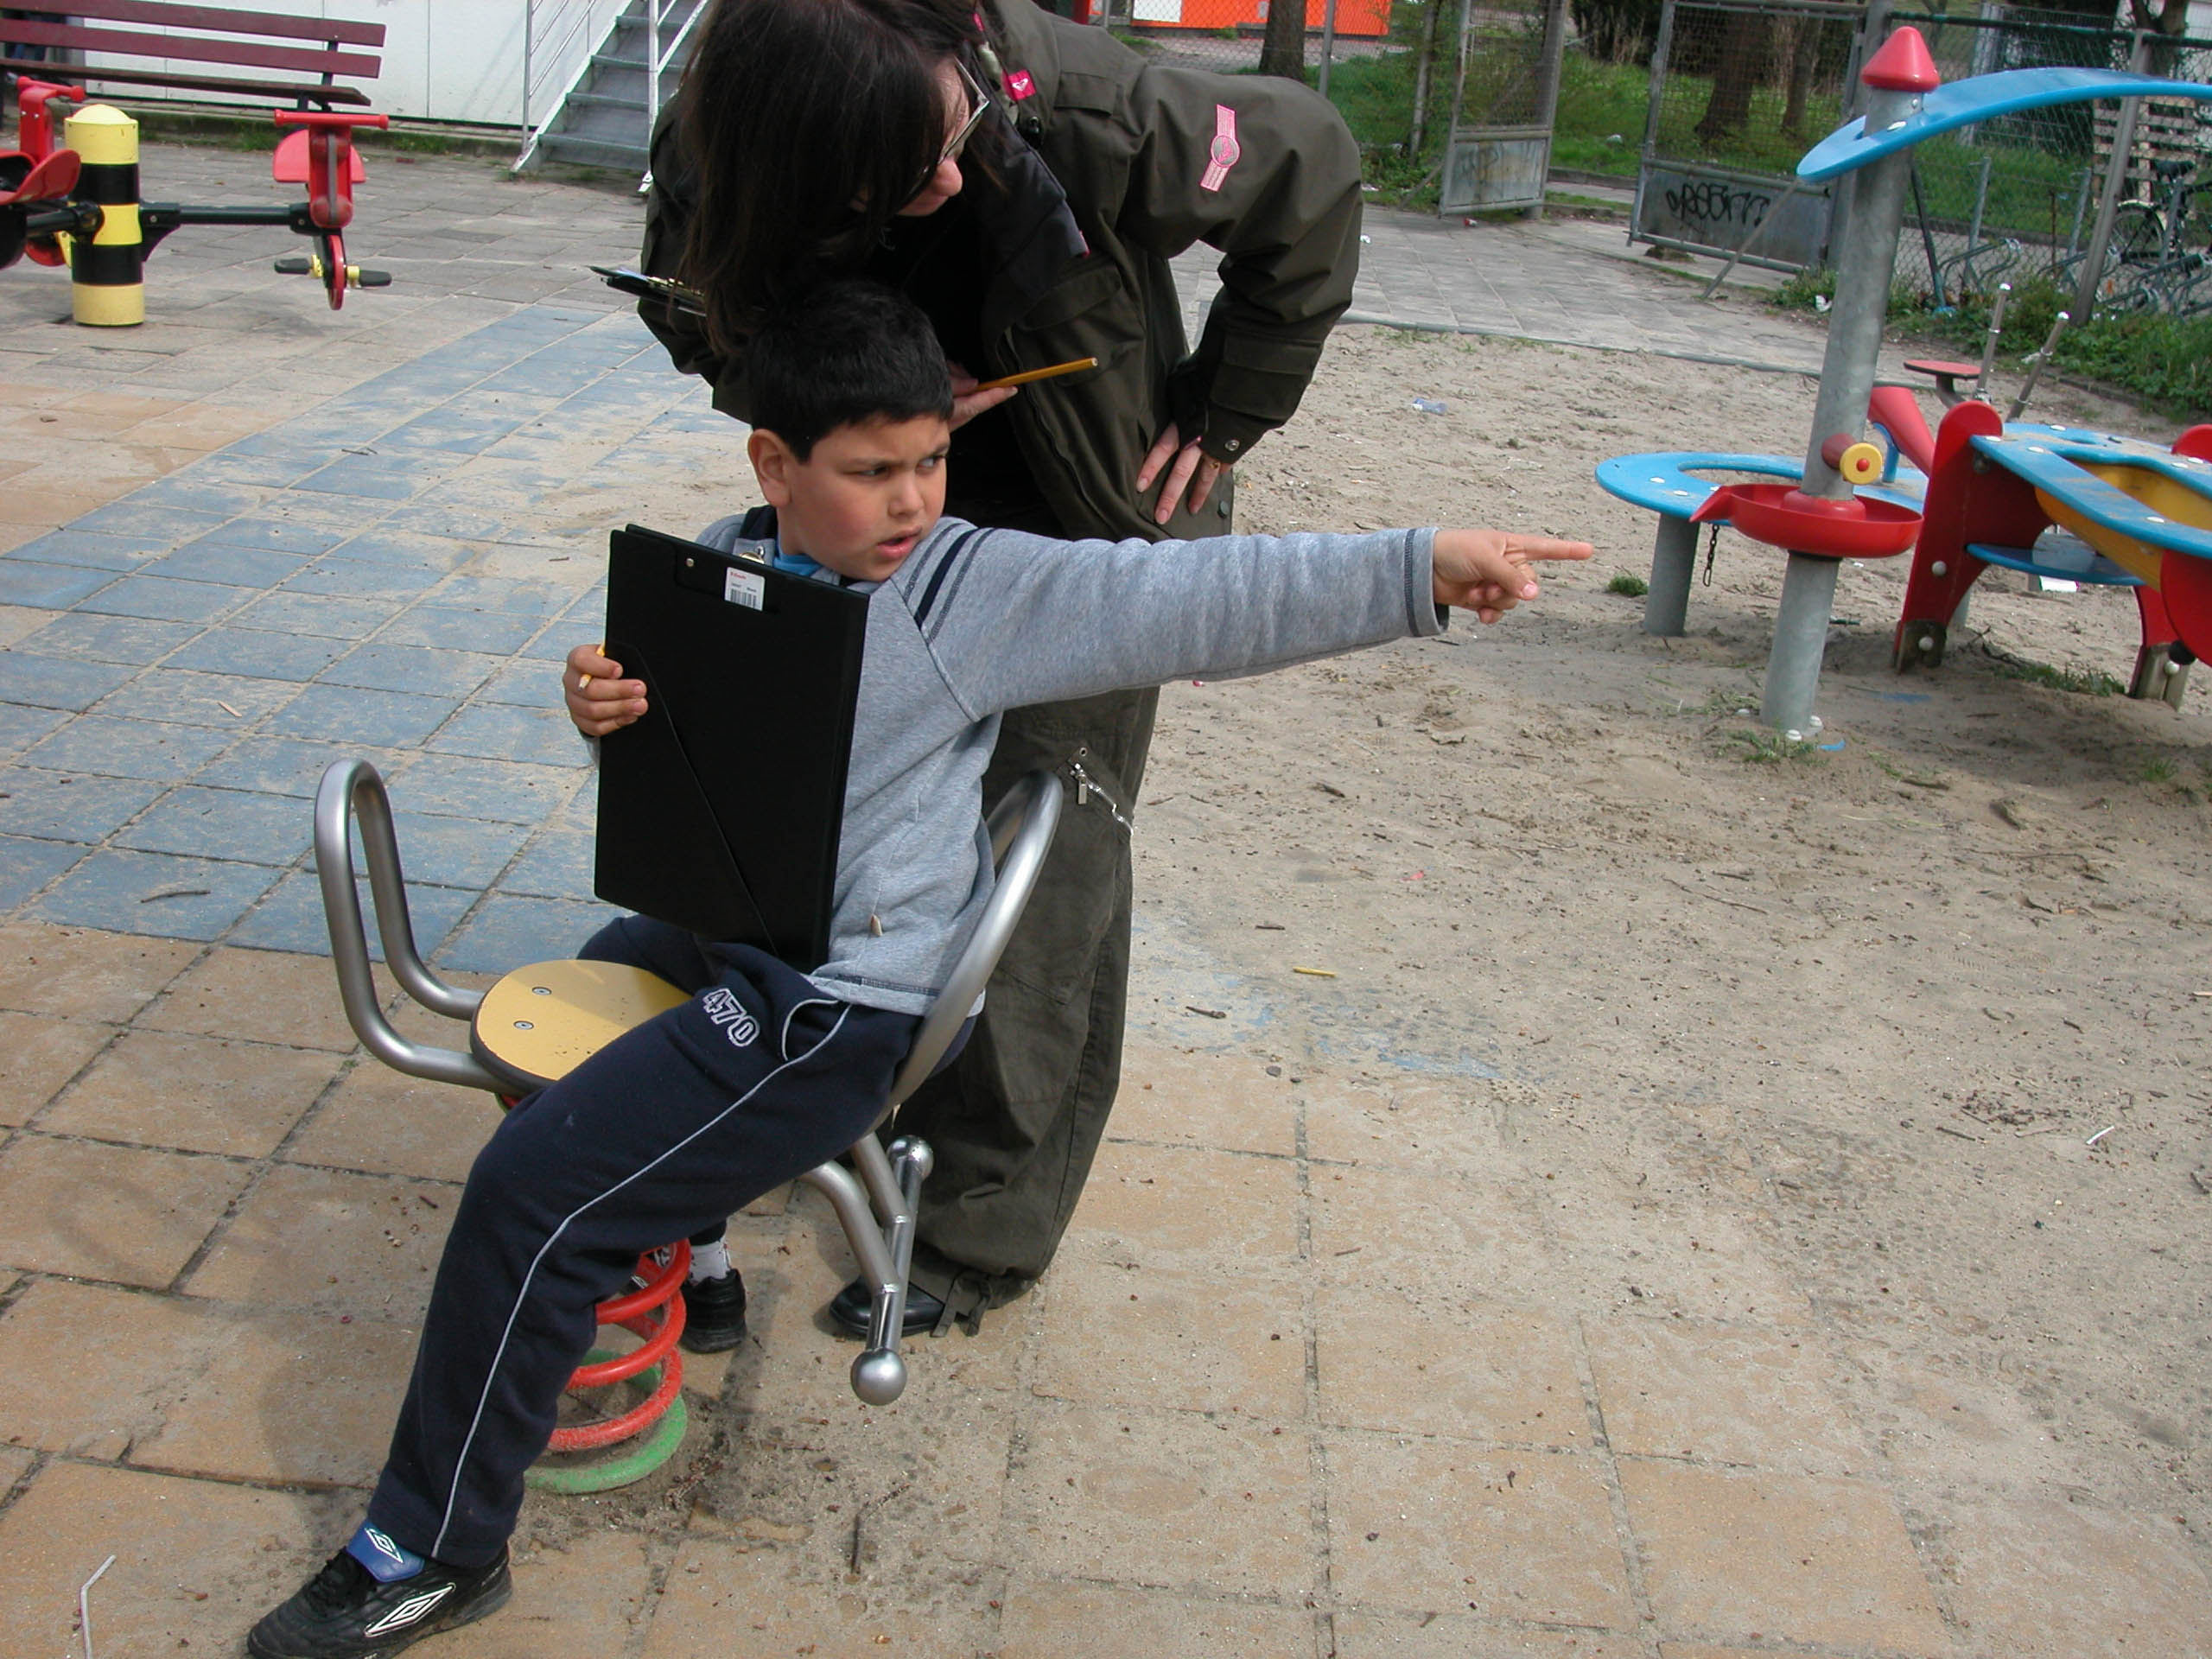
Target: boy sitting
<point>685,1120</point>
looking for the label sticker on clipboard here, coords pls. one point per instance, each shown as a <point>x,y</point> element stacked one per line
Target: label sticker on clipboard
<point>745,588</point>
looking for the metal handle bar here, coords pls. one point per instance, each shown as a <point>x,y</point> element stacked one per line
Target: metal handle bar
<point>1022,828</point>
<point>350,789</point>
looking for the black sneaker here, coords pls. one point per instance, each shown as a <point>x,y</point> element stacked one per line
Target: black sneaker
<point>372,1598</point>
<point>851,1308</point>
<point>713,1313</point>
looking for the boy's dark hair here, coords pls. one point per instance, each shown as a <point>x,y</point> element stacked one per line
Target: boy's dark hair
<point>850,352</point>
<point>806,125</point>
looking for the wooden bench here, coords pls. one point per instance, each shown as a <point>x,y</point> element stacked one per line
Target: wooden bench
<point>305,47</point>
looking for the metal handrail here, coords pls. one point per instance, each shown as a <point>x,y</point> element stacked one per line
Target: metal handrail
<point>353,789</point>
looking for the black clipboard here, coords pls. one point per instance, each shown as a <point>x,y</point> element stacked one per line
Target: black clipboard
<point>719,812</point>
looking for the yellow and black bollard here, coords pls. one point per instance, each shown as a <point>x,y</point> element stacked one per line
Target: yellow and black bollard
<point>107,284</point>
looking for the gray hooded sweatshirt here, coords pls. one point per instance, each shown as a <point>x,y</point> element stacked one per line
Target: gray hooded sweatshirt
<point>978,621</point>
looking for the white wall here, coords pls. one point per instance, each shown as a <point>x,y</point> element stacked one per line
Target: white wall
<point>443,60</point>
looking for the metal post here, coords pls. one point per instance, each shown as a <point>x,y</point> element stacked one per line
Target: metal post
<point>1847,369</point>
<point>1328,43</point>
<point>1459,93</point>
<point>2123,141</point>
<point>1548,73</point>
<point>1673,562</point>
<point>528,28</point>
<point>653,67</point>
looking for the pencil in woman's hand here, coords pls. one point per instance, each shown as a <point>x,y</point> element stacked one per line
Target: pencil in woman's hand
<point>1027,375</point>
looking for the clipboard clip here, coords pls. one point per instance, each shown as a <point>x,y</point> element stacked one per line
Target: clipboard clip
<point>676,295</point>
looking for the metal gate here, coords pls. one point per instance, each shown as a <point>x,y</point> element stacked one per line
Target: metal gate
<point>1505,92</point>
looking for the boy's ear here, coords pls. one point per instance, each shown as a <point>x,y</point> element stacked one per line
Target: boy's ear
<point>772,461</point>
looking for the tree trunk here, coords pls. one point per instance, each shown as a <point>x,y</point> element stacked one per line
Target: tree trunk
<point>1423,71</point>
<point>1802,59</point>
<point>1282,52</point>
<point>1743,64</point>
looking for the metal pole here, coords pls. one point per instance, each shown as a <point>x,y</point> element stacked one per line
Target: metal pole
<point>1328,43</point>
<point>1673,562</point>
<point>1847,369</point>
<point>653,67</point>
<point>2123,141</point>
<point>528,28</point>
<point>1548,74</point>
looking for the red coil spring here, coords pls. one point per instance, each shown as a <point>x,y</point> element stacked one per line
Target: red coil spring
<point>633,1311</point>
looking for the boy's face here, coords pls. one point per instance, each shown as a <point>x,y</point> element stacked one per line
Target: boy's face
<point>866,496</point>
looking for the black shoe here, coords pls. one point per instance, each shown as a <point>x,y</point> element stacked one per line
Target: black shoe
<point>347,1611</point>
<point>850,1307</point>
<point>713,1313</point>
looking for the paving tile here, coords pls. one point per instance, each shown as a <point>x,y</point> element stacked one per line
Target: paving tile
<point>2043,1578</point>
<point>509,931</point>
<point>348,715</point>
<point>519,595</point>
<point>1425,1234</point>
<point>1173,1500</point>
<point>456,628</point>
<point>225,702</point>
<point>207,560</point>
<point>512,791</point>
<point>256,996</point>
<point>125,1353</point>
<point>1418,1127</point>
<point>386,548</point>
<point>198,1094</point>
<point>27,865</point>
<point>383,1123</point>
<point>1698,1260</point>
<point>38,1054</point>
<point>81,974</point>
<point>1204,1100</point>
<point>122,1213</point>
<point>543,735</point>
<point>576,1597</point>
<point>19,622</point>
<point>450,674</point>
<point>21,726</point>
<point>102,745</point>
<point>528,681</point>
<point>395,584</point>
<point>343,1244</point>
<point>776,1601</point>
<point>1720,1394</point>
<point>62,806</point>
<point>165,598</point>
<point>196,1561</point>
<point>1046,1618</point>
<point>323,616</point>
<point>49,586</point>
<point>163,894</point>
<point>192,486</point>
<point>291,918</point>
<point>1825,1563</point>
<point>252,654</point>
<point>379,477</point>
<point>128,639</point>
<point>283,530</point>
<point>161,522</point>
<point>1177,1205</point>
<point>1474,1369</point>
<point>1525,1535</point>
<point>291,766</point>
<point>206,822</point>
<point>55,682</point>
<point>557,864</point>
<point>1429,1635</point>
<point>1117,1335</point>
<point>468,853</point>
<point>89,550</point>
<point>287,1398</point>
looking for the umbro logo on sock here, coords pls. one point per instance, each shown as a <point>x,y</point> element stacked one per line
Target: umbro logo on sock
<point>409,1611</point>
<point>385,1548</point>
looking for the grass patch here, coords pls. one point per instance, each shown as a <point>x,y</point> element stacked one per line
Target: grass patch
<point>1775,749</point>
<point>2160,769</point>
<point>2083,682</point>
<point>1628,585</point>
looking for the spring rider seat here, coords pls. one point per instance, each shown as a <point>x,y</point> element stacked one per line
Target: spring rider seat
<point>539,1021</point>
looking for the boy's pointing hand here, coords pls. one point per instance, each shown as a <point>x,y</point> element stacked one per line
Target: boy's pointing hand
<point>1487,571</point>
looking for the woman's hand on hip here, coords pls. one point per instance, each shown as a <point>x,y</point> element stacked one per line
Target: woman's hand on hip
<point>967,402</point>
<point>1193,471</point>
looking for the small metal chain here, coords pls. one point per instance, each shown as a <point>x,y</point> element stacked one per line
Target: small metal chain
<point>1086,786</point>
<point>1712,546</point>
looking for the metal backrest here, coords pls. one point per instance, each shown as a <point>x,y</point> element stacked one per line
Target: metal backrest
<point>1022,828</point>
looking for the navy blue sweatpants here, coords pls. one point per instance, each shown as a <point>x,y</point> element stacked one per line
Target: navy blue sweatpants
<point>670,1128</point>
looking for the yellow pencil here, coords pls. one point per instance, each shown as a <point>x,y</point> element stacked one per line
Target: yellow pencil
<point>584,679</point>
<point>1027,375</point>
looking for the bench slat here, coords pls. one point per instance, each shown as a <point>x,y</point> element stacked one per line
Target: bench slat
<point>244,52</point>
<point>222,17</point>
<point>311,91</point>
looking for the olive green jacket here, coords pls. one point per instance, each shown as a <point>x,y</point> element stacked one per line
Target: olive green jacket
<point>1135,151</point>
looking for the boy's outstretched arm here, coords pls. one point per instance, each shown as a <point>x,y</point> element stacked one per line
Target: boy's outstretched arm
<point>1487,571</point>
<point>599,700</point>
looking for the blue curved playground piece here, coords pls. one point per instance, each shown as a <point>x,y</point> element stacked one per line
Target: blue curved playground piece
<point>1664,482</point>
<point>1982,98</point>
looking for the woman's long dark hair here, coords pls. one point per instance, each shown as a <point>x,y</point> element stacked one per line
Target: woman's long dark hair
<point>808,124</point>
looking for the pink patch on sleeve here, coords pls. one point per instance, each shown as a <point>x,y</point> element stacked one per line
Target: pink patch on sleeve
<point>1224,151</point>
<point>1019,85</point>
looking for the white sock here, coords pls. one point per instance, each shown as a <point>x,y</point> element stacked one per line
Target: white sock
<point>709,1261</point>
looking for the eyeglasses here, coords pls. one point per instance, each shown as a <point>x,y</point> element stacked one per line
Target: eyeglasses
<point>979,106</point>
